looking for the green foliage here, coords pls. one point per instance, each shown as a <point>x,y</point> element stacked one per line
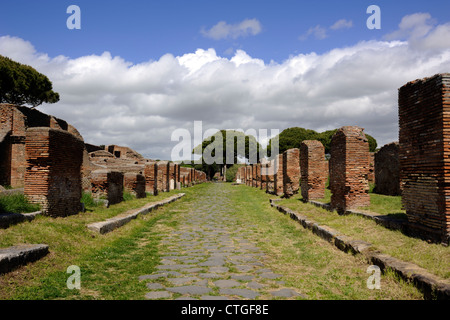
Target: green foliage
<point>17,203</point>
<point>21,84</point>
<point>293,137</point>
<point>128,196</point>
<point>231,172</point>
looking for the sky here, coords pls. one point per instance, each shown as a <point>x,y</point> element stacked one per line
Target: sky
<point>137,72</point>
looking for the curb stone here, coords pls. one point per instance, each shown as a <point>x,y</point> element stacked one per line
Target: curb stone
<point>430,285</point>
<point>117,222</point>
<point>16,256</point>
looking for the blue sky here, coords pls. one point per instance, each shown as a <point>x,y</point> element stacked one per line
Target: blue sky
<point>140,30</point>
<point>138,70</point>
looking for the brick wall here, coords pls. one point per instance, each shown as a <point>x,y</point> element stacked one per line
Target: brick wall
<point>387,170</point>
<point>313,170</point>
<point>291,172</point>
<point>163,176</point>
<point>270,177</point>
<point>53,170</point>
<point>107,184</point>
<point>349,167</point>
<point>424,153</point>
<point>151,177</point>
<point>135,184</point>
<point>278,186</point>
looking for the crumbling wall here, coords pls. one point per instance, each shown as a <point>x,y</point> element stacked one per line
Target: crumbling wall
<point>107,184</point>
<point>135,184</point>
<point>53,170</point>
<point>151,177</point>
<point>424,153</point>
<point>278,187</point>
<point>387,170</point>
<point>349,166</point>
<point>313,170</point>
<point>291,172</point>
<point>163,176</point>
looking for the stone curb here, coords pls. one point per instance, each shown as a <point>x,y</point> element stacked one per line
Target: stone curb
<point>15,256</point>
<point>385,221</point>
<point>9,219</point>
<point>431,286</point>
<point>116,222</point>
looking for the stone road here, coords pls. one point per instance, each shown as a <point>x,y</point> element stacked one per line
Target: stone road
<point>209,255</point>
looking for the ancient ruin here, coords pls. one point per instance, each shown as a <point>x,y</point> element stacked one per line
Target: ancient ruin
<point>291,172</point>
<point>135,183</point>
<point>349,167</point>
<point>313,172</point>
<point>424,135</point>
<point>53,170</point>
<point>387,170</point>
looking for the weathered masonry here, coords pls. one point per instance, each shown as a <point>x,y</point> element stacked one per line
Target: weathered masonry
<point>424,151</point>
<point>313,170</point>
<point>151,177</point>
<point>349,167</point>
<point>291,172</point>
<point>53,170</point>
<point>107,184</point>
<point>387,170</point>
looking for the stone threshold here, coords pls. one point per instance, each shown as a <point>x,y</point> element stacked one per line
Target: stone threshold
<point>432,286</point>
<point>9,219</point>
<point>16,256</point>
<point>122,219</point>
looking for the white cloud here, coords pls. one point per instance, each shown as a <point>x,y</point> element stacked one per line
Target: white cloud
<point>318,32</point>
<point>112,101</point>
<point>321,33</point>
<point>342,24</point>
<point>223,30</point>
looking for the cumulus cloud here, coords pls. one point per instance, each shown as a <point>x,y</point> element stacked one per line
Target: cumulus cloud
<point>342,24</point>
<point>320,33</point>
<point>223,30</point>
<point>113,101</point>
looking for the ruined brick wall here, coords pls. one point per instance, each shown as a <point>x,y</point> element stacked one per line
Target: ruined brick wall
<point>387,170</point>
<point>163,176</point>
<point>270,176</point>
<point>151,177</point>
<point>185,172</point>
<point>135,184</point>
<point>107,184</point>
<point>53,170</point>
<point>258,175</point>
<point>249,175</point>
<point>349,167</point>
<point>313,170</point>
<point>16,120</point>
<point>278,186</point>
<point>371,174</point>
<point>172,176</point>
<point>264,167</point>
<point>124,152</point>
<point>291,172</point>
<point>424,152</point>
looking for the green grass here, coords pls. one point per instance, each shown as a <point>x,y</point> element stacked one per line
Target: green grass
<point>16,203</point>
<point>433,257</point>
<point>110,264</point>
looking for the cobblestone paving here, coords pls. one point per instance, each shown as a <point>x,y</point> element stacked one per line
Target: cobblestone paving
<point>209,255</point>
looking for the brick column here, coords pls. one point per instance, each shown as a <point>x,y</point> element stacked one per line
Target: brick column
<point>349,168</point>
<point>109,184</point>
<point>424,151</point>
<point>291,172</point>
<point>387,170</point>
<point>278,188</point>
<point>53,175</point>
<point>151,177</point>
<point>135,184</point>
<point>313,169</point>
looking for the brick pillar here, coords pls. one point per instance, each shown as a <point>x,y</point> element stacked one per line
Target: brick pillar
<point>151,177</point>
<point>291,172</point>
<point>270,177</point>
<point>387,170</point>
<point>172,176</point>
<point>349,167</point>
<point>424,151</point>
<point>108,184</point>
<point>313,169</point>
<point>53,175</point>
<point>163,176</point>
<point>264,171</point>
<point>135,184</point>
<point>278,188</point>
